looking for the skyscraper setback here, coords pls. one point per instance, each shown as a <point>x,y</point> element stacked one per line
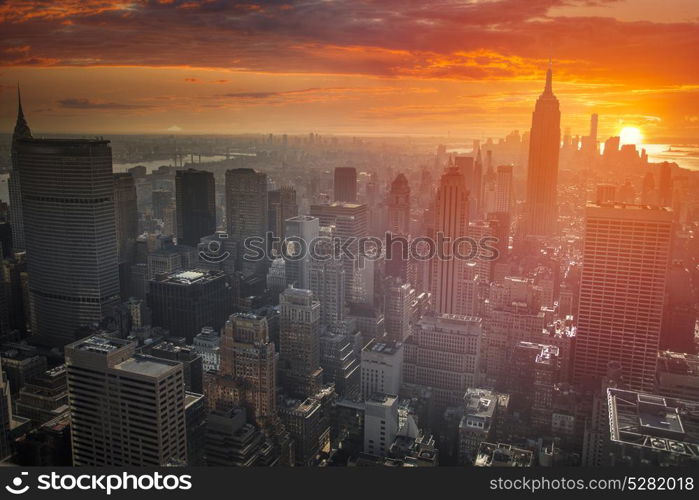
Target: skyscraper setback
<point>541,214</point>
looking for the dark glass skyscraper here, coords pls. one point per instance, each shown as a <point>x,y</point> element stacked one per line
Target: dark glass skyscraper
<point>345,184</point>
<point>70,232</point>
<point>196,205</point>
<point>542,175</point>
<point>186,301</point>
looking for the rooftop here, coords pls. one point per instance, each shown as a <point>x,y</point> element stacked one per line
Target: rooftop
<point>194,276</point>
<point>389,347</point>
<point>382,399</point>
<point>622,211</point>
<point>344,204</point>
<point>655,422</point>
<point>561,328</point>
<point>207,333</point>
<point>502,455</point>
<point>629,206</point>
<point>191,397</point>
<point>546,353</point>
<point>99,344</point>
<point>678,363</point>
<point>147,365</point>
<point>480,402</point>
<point>304,408</point>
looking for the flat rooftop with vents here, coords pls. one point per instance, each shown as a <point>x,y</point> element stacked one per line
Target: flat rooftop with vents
<point>654,422</point>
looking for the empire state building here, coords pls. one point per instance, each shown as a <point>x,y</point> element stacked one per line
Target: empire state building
<point>542,175</point>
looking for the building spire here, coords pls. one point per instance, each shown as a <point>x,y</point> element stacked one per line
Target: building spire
<point>548,90</point>
<point>22,130</point>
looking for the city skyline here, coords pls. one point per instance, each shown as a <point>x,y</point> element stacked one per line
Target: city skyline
<point>524,297</point>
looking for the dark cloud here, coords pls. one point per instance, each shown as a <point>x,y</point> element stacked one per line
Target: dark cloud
<point>82,103</point>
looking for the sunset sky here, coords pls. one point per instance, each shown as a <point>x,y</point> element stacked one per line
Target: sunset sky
<point>467,68</point>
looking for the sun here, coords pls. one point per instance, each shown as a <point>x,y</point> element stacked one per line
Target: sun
<point>630,135</point>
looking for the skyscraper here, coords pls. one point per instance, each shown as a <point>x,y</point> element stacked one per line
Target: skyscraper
<point>327,282</point>
<point>345,184</point>
<point>350,221</point>
<point>665,184</point>
<point>541,215</point>
<point>282,206</point>
<point>472,170</point>
<point>246,210</point>
<point>248,357</point>
<point>399,297</point>
<point>70,233</point>
<point>451,221</point>
<point>300,232</point>
<point>443,354</point>
<point>21,131</point>
<point>126,408</point>
<point>593,128</point>
<point>382,367</point>
<point>195,199</point>
<point>126,213</point>
<point>161,201</point>
<point>622,290</point>
<point>185,302</point>
<point>504,195</point>
<point>380,423</point>
<point>299,343</point>
<point>399,206</point>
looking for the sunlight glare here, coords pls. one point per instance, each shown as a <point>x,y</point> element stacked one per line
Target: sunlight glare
<point>630,135</point>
